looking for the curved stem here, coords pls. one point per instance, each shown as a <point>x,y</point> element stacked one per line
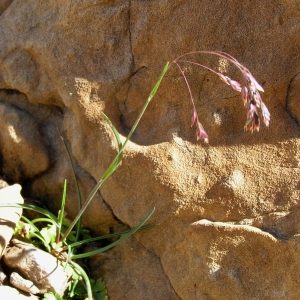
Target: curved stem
<point>187,83</point>
<point>197,64</point>
<point>111,168</point>
<point>217,53</point>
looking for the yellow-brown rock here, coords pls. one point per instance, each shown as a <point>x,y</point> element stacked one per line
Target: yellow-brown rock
<point>64,63</point>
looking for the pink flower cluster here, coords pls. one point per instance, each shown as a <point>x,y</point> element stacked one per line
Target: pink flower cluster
<point>255,107</point>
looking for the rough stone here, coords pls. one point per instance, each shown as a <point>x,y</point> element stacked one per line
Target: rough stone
<point>292,101</point>
<point>19,145</point>
<point>9,216</point>
<point>214,260</point>
<point>40,267</point>
<point>4,4</point>
<point>141,273</point>
<point>61,75</point>
<point>3,183</point>
<point>22,284</point>
<point>10,293</point>
<point>3,277</point>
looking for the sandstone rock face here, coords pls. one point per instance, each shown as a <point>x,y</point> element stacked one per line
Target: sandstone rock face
<point>228,211</point>
<point>4,4</point>
<point>21,144</point>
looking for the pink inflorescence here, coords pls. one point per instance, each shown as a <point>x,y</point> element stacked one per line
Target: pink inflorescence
<point>256,109</point>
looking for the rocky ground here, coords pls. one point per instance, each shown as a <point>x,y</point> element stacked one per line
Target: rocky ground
<point>25,270</point>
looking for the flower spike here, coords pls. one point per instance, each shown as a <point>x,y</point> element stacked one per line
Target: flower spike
<point>256,109</point>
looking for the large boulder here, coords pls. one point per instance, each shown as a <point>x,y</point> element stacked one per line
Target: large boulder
<point>63,64</point>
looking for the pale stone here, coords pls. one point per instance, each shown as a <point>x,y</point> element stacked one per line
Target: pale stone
<point>9,216</point>
<point>22,284</point>
<point>24,154</point>
<point>214,260</point>
<point>10,293</point>
<point>40,267</point>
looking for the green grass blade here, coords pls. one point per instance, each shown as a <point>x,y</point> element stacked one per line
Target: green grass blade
<point>34,208</point>
<point>119,157</point>
<point>108,236</point>
<point>153,92</point>
<point>73,287</point>
<point>37,234</point>
<point>46,220</point>
<point>122,238</point>
<point>63,204</point>
<point>111,170</point>
<point>61,212</point>
<point>114,130</point>
<point>163,73</point>
<point>85,278</point>
<point>79,201</point>
<point>114,163</point>
<point>30,223</point>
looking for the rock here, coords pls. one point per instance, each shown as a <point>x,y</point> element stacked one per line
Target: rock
<point>223,261</point>
<point>141,275</point>
<point>24,154</point>
<point>102,220</point>
<point>22,284</point>
<point>38,266</point>
<point>4,4</point>
<point>3,277</point>
<point>9,216</point>
<point>61,75</point>
<point>3,183</point>
<point>292,101</point>
<point>10,293</point>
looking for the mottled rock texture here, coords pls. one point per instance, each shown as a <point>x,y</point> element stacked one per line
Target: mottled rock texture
<point>42,271</point>
<point>63,63</point>
<point>9,216</point>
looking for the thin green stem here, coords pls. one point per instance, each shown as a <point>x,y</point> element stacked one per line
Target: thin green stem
<point>79,202</point>
<point>85,278</point>
<point>108,236</point>
<point>122,238</point>
<point>113,165</point>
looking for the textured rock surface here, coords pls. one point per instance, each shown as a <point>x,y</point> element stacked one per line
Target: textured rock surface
<point>40,267</point>
<point>63,64</point>
<point>4,4</point>
<point>3,277</point>
<point>16,280</point>
<point>292,100</point>
<point>141,275</point>
<point>8,292</point>
<point>9,216</point>
<point>223,254</point>
<point>20,144</point>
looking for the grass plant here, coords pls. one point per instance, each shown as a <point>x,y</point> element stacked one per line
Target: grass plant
<point>56,234</point>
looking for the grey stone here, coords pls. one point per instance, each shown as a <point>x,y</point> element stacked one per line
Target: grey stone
<point>24,285</point>
<point>38,266</point>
